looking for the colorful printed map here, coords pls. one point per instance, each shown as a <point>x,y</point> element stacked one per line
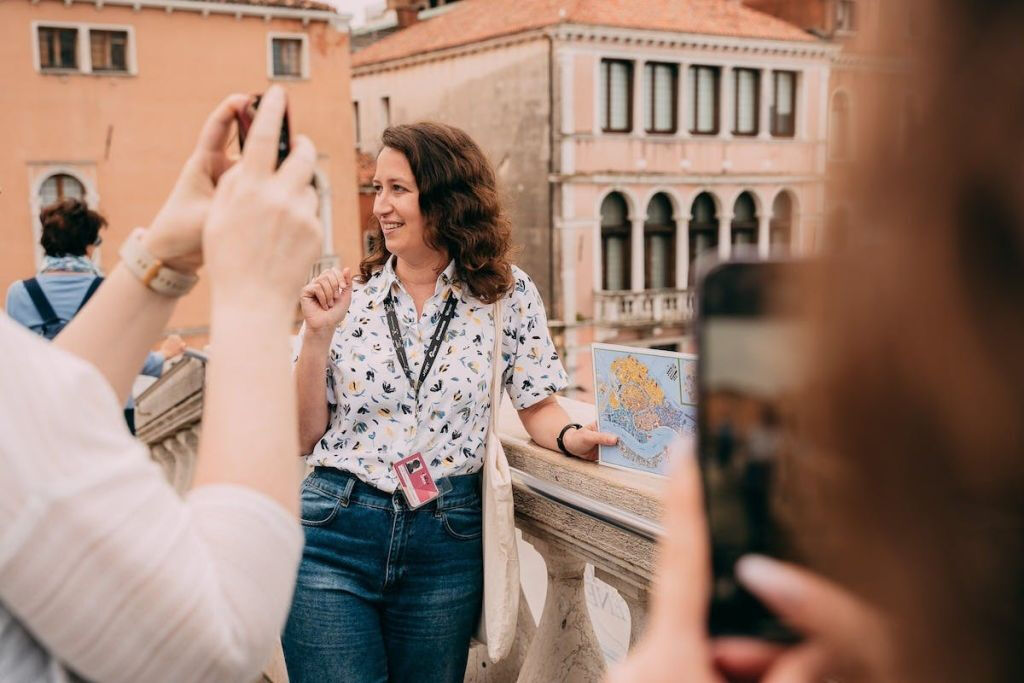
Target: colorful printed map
<point>647,398</point>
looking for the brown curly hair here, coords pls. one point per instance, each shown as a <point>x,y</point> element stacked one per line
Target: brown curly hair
<point>459,200</point>
<point>69,227</point>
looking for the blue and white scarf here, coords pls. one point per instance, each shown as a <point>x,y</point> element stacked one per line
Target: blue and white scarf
<point>69,264</point>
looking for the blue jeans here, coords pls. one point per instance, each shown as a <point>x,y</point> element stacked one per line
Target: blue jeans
<point>385,593</point>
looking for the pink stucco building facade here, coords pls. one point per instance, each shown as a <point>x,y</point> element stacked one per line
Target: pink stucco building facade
<point>104,101</point>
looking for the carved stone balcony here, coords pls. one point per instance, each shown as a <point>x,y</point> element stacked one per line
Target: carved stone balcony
<point>647,307</point>
<point>574,513</point>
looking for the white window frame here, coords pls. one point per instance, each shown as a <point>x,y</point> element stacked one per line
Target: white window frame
<point>85,49</point>
<point>304,69</point>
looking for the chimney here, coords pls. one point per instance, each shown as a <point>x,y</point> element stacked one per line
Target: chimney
<point>407,11</point>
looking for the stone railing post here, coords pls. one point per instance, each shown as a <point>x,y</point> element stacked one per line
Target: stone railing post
<point>564,647</point>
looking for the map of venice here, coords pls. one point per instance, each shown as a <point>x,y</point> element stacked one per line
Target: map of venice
<point>646,398</point>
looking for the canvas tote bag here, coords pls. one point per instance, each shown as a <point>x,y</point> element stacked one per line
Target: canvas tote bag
<point>497,627</point>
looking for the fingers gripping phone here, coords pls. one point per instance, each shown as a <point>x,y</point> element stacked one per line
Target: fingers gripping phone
<point>245,119</point>
<point>751,336</point>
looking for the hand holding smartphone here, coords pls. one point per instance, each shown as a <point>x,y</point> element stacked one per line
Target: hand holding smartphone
<point>245,119</point>
<point>751,337</point>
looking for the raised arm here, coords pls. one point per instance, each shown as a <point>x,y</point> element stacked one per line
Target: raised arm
<point>118,326</point>
<point>324,302</point>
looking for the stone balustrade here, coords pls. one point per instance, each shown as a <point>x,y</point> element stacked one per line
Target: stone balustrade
<point>646,307</point>
<point>574,513</point>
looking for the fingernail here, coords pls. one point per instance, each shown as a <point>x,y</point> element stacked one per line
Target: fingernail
<point>274,91</point>
<point>764,575</point>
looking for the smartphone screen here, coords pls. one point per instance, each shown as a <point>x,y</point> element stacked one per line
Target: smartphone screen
<point>751,349</point>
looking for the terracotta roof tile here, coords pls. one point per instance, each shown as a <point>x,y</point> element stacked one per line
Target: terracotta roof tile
<point>471,21</point>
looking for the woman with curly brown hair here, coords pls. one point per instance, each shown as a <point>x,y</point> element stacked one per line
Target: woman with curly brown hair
<point>387,592</point>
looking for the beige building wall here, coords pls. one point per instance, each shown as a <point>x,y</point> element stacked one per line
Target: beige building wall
<point>126,136</point>
<point>498,94</point>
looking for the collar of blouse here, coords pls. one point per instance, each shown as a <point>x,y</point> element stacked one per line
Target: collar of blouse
<point>386,280</point>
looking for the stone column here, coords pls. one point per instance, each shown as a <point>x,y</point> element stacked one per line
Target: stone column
<point>636,598</point>
<point>764,234</point>
<point>564,648</point>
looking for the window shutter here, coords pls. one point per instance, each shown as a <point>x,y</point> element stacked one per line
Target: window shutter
<point>705,95</point>
<point>615,258</point>
<point>649,95</point>
<point>784,101</point>
<point>619,84</point>
<point>663,77</point>
<point>746,101</point>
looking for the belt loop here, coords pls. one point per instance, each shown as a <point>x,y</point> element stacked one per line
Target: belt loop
<point>346,492</point>
<point>444,485</point>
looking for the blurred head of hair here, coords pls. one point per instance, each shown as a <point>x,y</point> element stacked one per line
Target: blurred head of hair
<point>919,417</point>
<point>69,226</point>
<point>459,199</point>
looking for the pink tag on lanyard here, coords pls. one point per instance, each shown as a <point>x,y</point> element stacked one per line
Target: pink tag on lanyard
<point>414,478</point>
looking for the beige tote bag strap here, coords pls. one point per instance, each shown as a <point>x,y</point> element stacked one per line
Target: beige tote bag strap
<point>497,368</point>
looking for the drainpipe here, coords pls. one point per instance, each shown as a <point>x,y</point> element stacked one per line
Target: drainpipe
<point>551,170</point>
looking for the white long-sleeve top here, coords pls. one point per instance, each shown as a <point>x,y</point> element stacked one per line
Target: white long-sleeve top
<point>104,570</point>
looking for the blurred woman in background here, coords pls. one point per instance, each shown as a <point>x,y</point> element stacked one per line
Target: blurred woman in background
<point>917,424</point>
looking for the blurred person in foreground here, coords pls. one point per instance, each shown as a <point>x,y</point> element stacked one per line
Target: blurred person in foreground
<point>917,422</point>
<point>105,573</point>
<point>67,280</point>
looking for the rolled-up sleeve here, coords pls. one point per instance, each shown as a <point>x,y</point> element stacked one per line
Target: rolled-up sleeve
<point>536,371</point>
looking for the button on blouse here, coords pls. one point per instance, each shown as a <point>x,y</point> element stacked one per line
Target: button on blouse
<point>375,415</point>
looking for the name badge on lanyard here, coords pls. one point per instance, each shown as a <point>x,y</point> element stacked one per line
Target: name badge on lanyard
<point>413,474</point>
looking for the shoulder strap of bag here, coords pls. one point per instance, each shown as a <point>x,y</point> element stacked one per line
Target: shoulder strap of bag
<point>42,304</point>
<point>93,286</point>
<point>497,367</point>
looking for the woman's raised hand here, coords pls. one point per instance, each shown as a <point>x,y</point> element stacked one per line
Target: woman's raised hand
<point>262,233</point>
<point>326,299</point>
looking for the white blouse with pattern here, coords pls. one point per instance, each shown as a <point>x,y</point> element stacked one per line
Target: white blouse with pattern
<point>375,417</point>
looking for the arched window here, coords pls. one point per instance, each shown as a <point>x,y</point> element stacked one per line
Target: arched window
<point>615,271</point>
<point>839,146</point>
<point>58,187</point>
<point>703,230</point>
<point>744,220</point>
<point>780,232</point>
<point>659,244</point>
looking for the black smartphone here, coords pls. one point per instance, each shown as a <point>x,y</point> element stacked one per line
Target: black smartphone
<point>751,337</point>
<point>245,119</point>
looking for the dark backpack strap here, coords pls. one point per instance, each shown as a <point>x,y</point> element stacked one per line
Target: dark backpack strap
<point>42,304</point>
<point>93,286</point>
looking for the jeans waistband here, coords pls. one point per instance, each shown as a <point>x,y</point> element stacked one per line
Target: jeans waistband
<point>456,491</point>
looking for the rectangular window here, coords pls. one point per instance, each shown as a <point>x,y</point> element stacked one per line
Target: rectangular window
<point>287,55</point>
<point>846,17</point>
<point>385,112</point>
<point>616,96</point>
<point>109,50</point>
<point>747,102</point>
<point>58,48</point>
<point>705,99</point>
<point>784,104</point>
<point>660,95</point>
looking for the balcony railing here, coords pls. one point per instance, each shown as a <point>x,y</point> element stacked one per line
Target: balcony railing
<point>647,307</point>
<point>574,513</point>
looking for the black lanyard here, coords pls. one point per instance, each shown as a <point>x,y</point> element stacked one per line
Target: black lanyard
<point>435,339</point>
